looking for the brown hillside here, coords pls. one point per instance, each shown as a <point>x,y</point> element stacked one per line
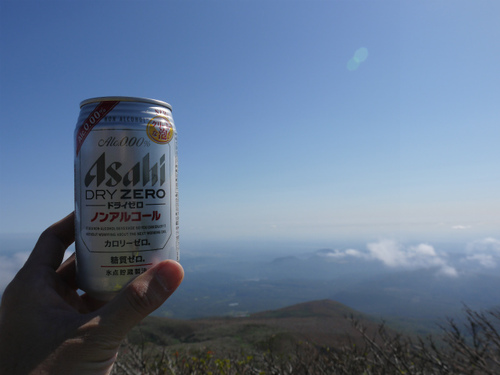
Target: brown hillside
<point>322,308</point>
<point>320,322</point>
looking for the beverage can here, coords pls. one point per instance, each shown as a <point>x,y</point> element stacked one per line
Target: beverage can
<point>126,196</point>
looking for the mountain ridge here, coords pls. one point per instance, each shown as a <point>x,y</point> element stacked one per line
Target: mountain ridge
<point>323,322</point>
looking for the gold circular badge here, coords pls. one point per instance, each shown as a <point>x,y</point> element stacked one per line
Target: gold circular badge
<point>160,130</point>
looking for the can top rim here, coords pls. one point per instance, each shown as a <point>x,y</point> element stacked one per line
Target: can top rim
<point>125,99</point>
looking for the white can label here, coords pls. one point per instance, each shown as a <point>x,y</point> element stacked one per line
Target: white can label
<point>125,188</point>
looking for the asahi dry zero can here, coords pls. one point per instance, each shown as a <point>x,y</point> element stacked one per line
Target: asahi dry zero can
<point>126,198</point>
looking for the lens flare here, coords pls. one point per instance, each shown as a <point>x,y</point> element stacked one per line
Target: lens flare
<point>352,64</point>
<point>360,56</point>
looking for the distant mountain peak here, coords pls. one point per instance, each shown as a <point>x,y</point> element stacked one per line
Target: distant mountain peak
<point>326,252</point>
<point>320,308</point>
<point>286,259</point>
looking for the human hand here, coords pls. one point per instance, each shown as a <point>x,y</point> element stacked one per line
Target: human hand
<point>47,328</point>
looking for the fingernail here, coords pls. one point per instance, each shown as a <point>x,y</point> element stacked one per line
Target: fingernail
<point>166,275</point>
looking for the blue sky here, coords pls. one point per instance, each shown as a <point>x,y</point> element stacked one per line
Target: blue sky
<point>281,137</point>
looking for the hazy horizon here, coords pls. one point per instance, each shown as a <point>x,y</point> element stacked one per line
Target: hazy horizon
<point>369,128</point>
<point>449,259</point>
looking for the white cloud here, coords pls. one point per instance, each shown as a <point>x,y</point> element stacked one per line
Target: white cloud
<point>461,227</point>
<point>486,245</point>
<point>394,254</point>
<point>485,260</point>
<point>355,253</point>
<point>389,252</point>
<point>448,271</point>
<point>340,254</point>
<point>486,252</point>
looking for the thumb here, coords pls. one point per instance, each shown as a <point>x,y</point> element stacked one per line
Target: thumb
<point>142,296</point>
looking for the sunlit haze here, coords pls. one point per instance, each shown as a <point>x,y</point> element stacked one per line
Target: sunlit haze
<point>367,127</point>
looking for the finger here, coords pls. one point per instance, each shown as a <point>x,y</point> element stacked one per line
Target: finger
<point>53,242</point>
<point>91,303</point>
<point>142,296</point>
<point>67,271</point>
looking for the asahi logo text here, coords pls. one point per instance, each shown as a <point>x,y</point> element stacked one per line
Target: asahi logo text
<point>123,142</point>
<point>113,173</point>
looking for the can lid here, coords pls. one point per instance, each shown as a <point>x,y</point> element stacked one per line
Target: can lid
<point>124,99</point>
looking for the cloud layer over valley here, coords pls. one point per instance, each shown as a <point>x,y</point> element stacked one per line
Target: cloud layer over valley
<point>480,254</point>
